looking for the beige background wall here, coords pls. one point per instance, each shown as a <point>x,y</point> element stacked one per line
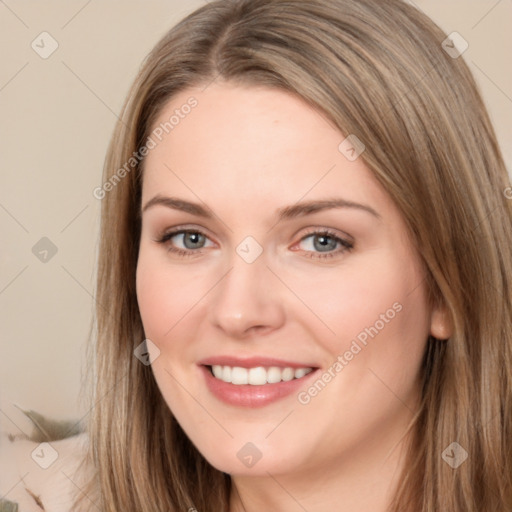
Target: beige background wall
<point>56,118</point>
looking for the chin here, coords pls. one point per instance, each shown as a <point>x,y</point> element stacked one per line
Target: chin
<point>237,457</point>
<point>227,463</point>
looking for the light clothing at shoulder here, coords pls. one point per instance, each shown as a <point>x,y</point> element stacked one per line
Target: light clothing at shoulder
<point>42,471</point>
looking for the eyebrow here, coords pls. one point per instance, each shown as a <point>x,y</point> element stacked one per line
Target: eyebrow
<point>288,212</point>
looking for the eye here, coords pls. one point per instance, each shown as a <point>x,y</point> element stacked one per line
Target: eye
<point>324,244</point>
<point>187,240</point>
<point>317,244</point>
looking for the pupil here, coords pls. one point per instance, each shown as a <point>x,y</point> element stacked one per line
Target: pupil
<point>195,238</point>
<point>324,243</point>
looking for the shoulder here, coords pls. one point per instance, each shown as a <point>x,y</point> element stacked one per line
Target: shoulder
<point>43,470</point>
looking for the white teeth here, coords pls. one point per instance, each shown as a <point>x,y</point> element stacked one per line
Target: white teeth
<point>226,373</point>
<point>239,375</point>
<point>273,375</point>
<point>301,372</point>
<point>288,374</point>
<point>257,376</point>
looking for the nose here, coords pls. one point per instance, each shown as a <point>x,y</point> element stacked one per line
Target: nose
<point>248,300</point>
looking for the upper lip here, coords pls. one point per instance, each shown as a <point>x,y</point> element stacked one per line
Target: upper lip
<point>252,362</point>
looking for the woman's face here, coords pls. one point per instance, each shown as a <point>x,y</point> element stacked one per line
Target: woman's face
<point>296,265</point>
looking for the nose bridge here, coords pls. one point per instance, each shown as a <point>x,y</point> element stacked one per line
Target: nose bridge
<point>247,297</point>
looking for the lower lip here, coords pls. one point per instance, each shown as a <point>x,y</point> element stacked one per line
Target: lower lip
<point>247,395</point>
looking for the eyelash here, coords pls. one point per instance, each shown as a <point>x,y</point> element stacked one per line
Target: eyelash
<point>347,246</point>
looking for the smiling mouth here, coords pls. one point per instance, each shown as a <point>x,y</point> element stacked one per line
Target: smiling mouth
<point>257,376</point>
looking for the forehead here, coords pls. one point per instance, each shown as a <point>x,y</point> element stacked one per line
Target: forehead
<point>250,143</point>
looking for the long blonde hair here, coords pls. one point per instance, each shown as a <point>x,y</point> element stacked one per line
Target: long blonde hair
<point>376,69</point>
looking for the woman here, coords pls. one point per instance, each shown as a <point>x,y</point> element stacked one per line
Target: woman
<point>304,289</point>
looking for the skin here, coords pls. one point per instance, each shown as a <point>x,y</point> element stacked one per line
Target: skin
<point>244,152</point>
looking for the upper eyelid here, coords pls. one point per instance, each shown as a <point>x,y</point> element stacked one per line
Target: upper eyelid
<point>178,230</point>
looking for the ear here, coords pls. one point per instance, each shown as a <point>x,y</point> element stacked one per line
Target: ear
<point>441,324</point>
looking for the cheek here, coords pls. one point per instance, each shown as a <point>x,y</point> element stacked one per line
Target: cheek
<point>152,299</point>
<point>377,318</point>
<point>380,291</point>
<point>165,297</point>
<point>163,294</point>
<point>380,318</point>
